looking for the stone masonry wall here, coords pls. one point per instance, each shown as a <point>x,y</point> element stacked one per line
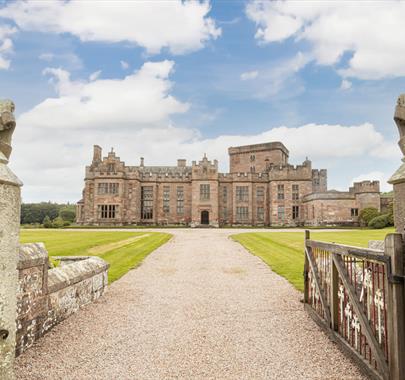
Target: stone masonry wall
<point>45,297</point>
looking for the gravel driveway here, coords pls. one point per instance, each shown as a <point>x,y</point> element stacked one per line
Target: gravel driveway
<point>199,307</point>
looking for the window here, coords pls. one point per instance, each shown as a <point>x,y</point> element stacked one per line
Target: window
<point>295,192</point>
<point>107,211</point>
<point>180,200</point>
<point>281,213</point>
<point>147,202</point>
<point>252,169</point>
<point>204,192</point>
<point>102,188</point>
<point>260,194</point>
<point>166,198</point>
<point>108,188</point>
<point>280,192</point>
<point>111,168</point>
<point>224,213</point>
<point>295,212</point>
<point>252,157</point>
<point>225,194</point>
<point>242,193</point>
<point>260,214</point>
<point>242,214</point>
<point>355,212</point>
<point>316,182</point>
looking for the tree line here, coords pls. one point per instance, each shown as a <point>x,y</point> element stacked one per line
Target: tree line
<point>48,214</point>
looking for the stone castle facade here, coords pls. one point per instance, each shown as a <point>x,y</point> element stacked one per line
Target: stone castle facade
<point>261,189</point>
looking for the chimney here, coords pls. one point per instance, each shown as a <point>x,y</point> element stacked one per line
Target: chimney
<point>181,163</point>
<point>97,152</point>
<point>142,161</point>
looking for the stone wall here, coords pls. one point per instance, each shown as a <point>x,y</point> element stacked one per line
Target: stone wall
<point>46,297</point>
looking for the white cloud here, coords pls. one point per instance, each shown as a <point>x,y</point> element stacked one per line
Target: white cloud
<point>124,65</point>
<point>370,32</point>
<point>68,60</point>
<point>180,26</point>
<point>378,176</point>
<point>249,75</point>
<point>278,78</point>
<point>48,57</point>
<point>6,45</point>
<point>138,100</point>
<point>94,76</point>
<point>345,85</point>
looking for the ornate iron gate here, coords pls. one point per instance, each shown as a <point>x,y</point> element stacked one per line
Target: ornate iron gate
<point>357,294</point>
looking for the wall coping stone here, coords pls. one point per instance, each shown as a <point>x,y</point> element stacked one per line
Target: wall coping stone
<point>67,275</point>
<point>32,255</point>
<point>376,244</point>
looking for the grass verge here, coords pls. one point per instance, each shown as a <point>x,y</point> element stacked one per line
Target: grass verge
<point>122,250</point>
<point>284,252</point>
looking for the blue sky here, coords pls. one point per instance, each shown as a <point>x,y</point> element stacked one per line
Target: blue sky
<point>175,79</point>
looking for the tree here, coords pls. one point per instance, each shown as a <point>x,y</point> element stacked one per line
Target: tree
<point>36,212</point>
<point>367,214</point>
<point>68,213</point>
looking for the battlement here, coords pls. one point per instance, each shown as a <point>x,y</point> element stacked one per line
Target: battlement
<point>365,187</point>
<point>242,177</point>
<point>205,162</point>
<point>293,172</point>
<point>259,148</point>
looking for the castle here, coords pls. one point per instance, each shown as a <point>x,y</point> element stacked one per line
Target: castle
<point>261,189</point>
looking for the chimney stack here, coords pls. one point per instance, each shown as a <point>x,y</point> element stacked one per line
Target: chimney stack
<point>142,161</point>
<point>181,163</point>
<point>97,153</point>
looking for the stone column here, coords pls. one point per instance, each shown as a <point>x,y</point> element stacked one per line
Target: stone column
<point>10,202</point>
<point>398,179</point>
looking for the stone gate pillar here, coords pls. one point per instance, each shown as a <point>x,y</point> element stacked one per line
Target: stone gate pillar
<point>10,202</point>
<point>398,179</point>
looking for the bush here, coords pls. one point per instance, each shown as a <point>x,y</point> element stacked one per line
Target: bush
<point>58,222</point>
<point>47,222</point>
<point>68,214</point>
<point>367,214</point>
<point>380,221</point>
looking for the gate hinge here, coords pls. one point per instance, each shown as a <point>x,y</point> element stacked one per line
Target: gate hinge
<point>396,279</point>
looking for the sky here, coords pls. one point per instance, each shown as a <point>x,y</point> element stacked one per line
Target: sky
<point>177,79</point>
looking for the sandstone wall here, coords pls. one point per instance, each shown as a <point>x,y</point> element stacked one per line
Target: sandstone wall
<point>46,297</point>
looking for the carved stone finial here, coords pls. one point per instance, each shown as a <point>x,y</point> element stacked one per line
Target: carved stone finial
<point>7,126</point>
<point>399,118</point>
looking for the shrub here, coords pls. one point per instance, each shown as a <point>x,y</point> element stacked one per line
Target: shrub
<point>47,222</point>
<point>367,214</point>
<point>68,214</point>
<point>58,222</point>
<point>380,221</point>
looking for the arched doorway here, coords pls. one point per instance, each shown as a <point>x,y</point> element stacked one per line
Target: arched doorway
<point>205,217</point>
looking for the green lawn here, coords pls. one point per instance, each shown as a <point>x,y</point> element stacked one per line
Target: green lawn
<point>122,250</point>
<point>284,251</point>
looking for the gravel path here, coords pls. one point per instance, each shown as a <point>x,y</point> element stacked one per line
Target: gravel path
<point>199,307</point>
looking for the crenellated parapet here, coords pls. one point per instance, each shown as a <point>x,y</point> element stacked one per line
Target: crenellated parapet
<point>291,172</point>
<point>205,169</point>
<point>365,187</point>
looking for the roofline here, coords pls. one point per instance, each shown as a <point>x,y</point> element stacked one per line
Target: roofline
<point>276,145</point>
